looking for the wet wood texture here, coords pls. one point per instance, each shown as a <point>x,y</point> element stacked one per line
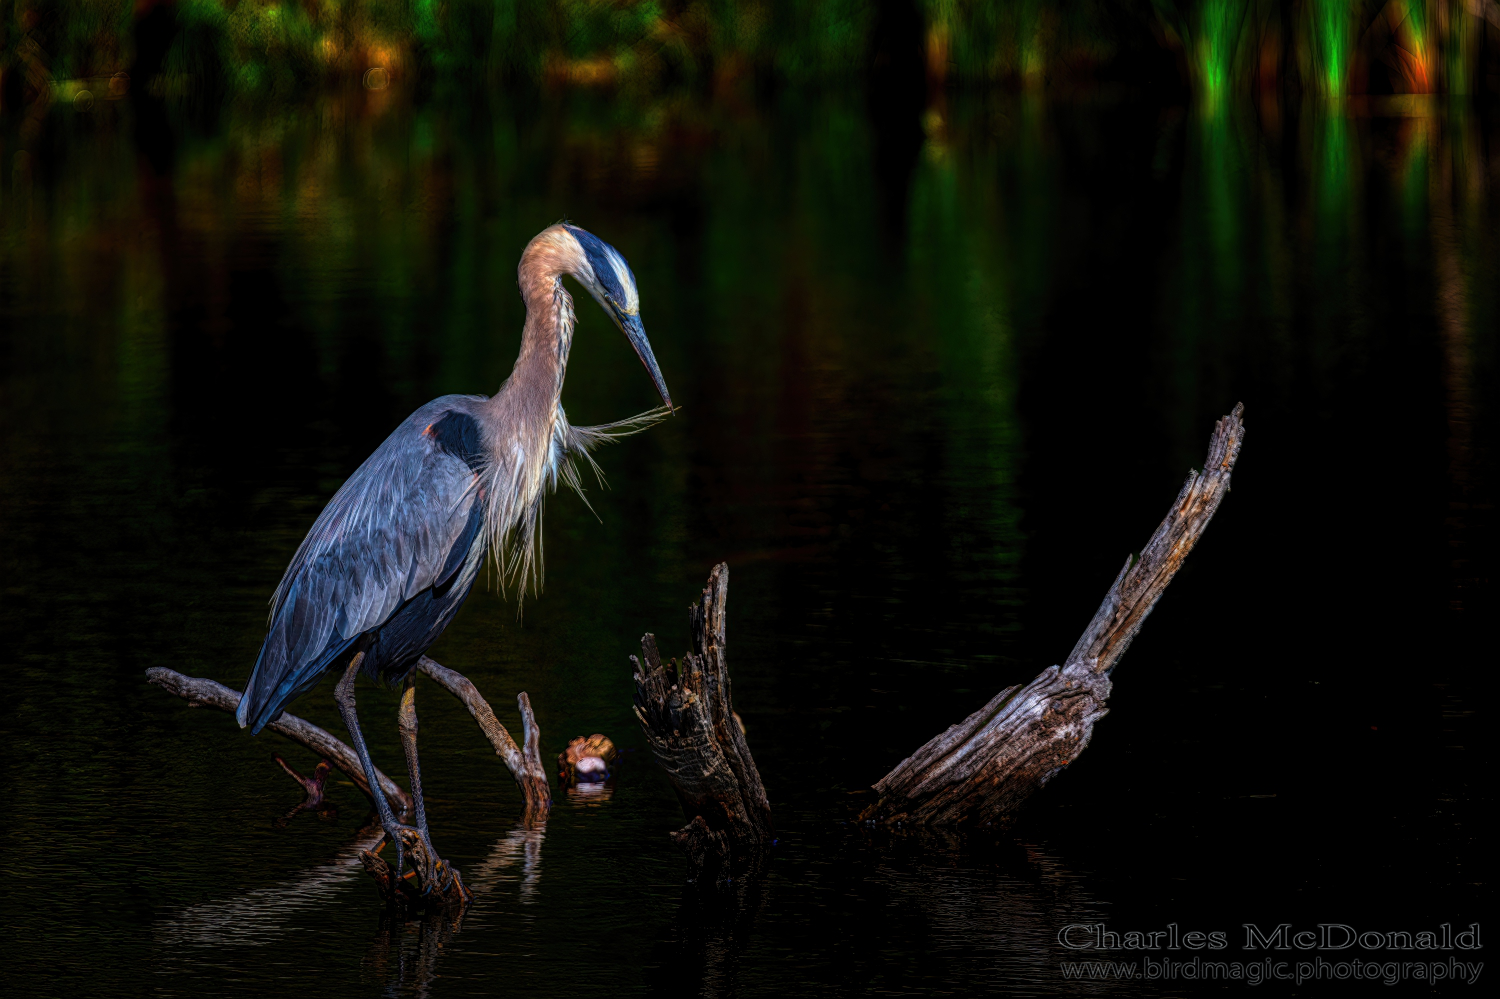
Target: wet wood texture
<point>981,770</point>
<point>687,713</point>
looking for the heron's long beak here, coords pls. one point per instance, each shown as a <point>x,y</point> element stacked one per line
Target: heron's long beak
<point>636,334</point>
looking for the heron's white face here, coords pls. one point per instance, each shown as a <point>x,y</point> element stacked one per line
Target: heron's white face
<point>600,268</point>
<point>608,276</point>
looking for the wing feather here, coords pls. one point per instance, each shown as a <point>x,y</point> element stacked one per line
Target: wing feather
<point>401,524</point>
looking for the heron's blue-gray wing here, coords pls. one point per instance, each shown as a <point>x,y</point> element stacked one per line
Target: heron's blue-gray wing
<point>406,521</point>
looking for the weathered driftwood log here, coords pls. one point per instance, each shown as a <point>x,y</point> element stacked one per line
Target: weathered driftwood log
<point>688,716</point>
<point>198,690</point>
<point>525,764</point>
<point>980,770</point>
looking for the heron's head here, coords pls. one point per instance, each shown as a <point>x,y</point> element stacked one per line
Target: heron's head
<point>608,278</point>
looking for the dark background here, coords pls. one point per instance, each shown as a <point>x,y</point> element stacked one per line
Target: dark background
<point>943,364</point>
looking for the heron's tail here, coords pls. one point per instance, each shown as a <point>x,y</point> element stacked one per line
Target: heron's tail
<point>275,682</point>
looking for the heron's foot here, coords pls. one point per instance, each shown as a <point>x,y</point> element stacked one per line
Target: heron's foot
<point>434,875</point>
<point>386,881</point>
<point>388,877</point>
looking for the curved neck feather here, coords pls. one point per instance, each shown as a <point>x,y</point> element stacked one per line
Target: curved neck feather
<point>530,395</point>
<point>525,419</point>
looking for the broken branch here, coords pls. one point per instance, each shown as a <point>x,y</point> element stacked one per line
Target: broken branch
<point>982,769</point>
<point>524,765</point>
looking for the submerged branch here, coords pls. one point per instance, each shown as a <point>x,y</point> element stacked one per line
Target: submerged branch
<point>198,690</point>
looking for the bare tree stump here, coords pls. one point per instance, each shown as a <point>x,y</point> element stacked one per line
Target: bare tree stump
<point>982,769</point>
<point>688,716</point>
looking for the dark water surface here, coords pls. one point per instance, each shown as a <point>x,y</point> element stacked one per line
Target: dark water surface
<point>940,374</point>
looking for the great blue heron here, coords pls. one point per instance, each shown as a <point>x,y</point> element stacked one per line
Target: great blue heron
<point>390,560</point>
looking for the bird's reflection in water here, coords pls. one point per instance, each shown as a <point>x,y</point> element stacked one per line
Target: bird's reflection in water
<point>403,955</point>
<point>264,915</point>
<point>590,794</point>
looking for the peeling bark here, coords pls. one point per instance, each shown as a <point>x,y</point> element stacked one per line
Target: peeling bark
<point>981,770</point>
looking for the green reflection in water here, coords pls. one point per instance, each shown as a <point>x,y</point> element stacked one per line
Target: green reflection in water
<point>1412,174</point>
<point>962,275</point>
<point>1331,46</point>
<point>1335,174</point>
<point>1218,39</point>
<point>199,355</point>
<point>1209,293</point>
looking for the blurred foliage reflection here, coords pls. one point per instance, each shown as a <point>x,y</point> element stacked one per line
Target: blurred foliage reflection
<point>1221,50</point>
<point>894,337</point>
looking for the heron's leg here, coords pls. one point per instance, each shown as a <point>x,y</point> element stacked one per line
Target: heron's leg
<point>408,727</point>
<point>424,859</point>
<point>343,694</point>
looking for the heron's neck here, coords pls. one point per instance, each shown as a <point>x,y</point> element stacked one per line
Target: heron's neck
<point>528,400</point>
<point>526,434</point>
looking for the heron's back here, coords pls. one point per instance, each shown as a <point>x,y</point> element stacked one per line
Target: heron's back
<point>387,564</point>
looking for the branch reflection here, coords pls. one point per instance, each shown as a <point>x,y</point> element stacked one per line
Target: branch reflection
<point>264,915</point>
<point>404,956</point>
<point>522,845</point>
